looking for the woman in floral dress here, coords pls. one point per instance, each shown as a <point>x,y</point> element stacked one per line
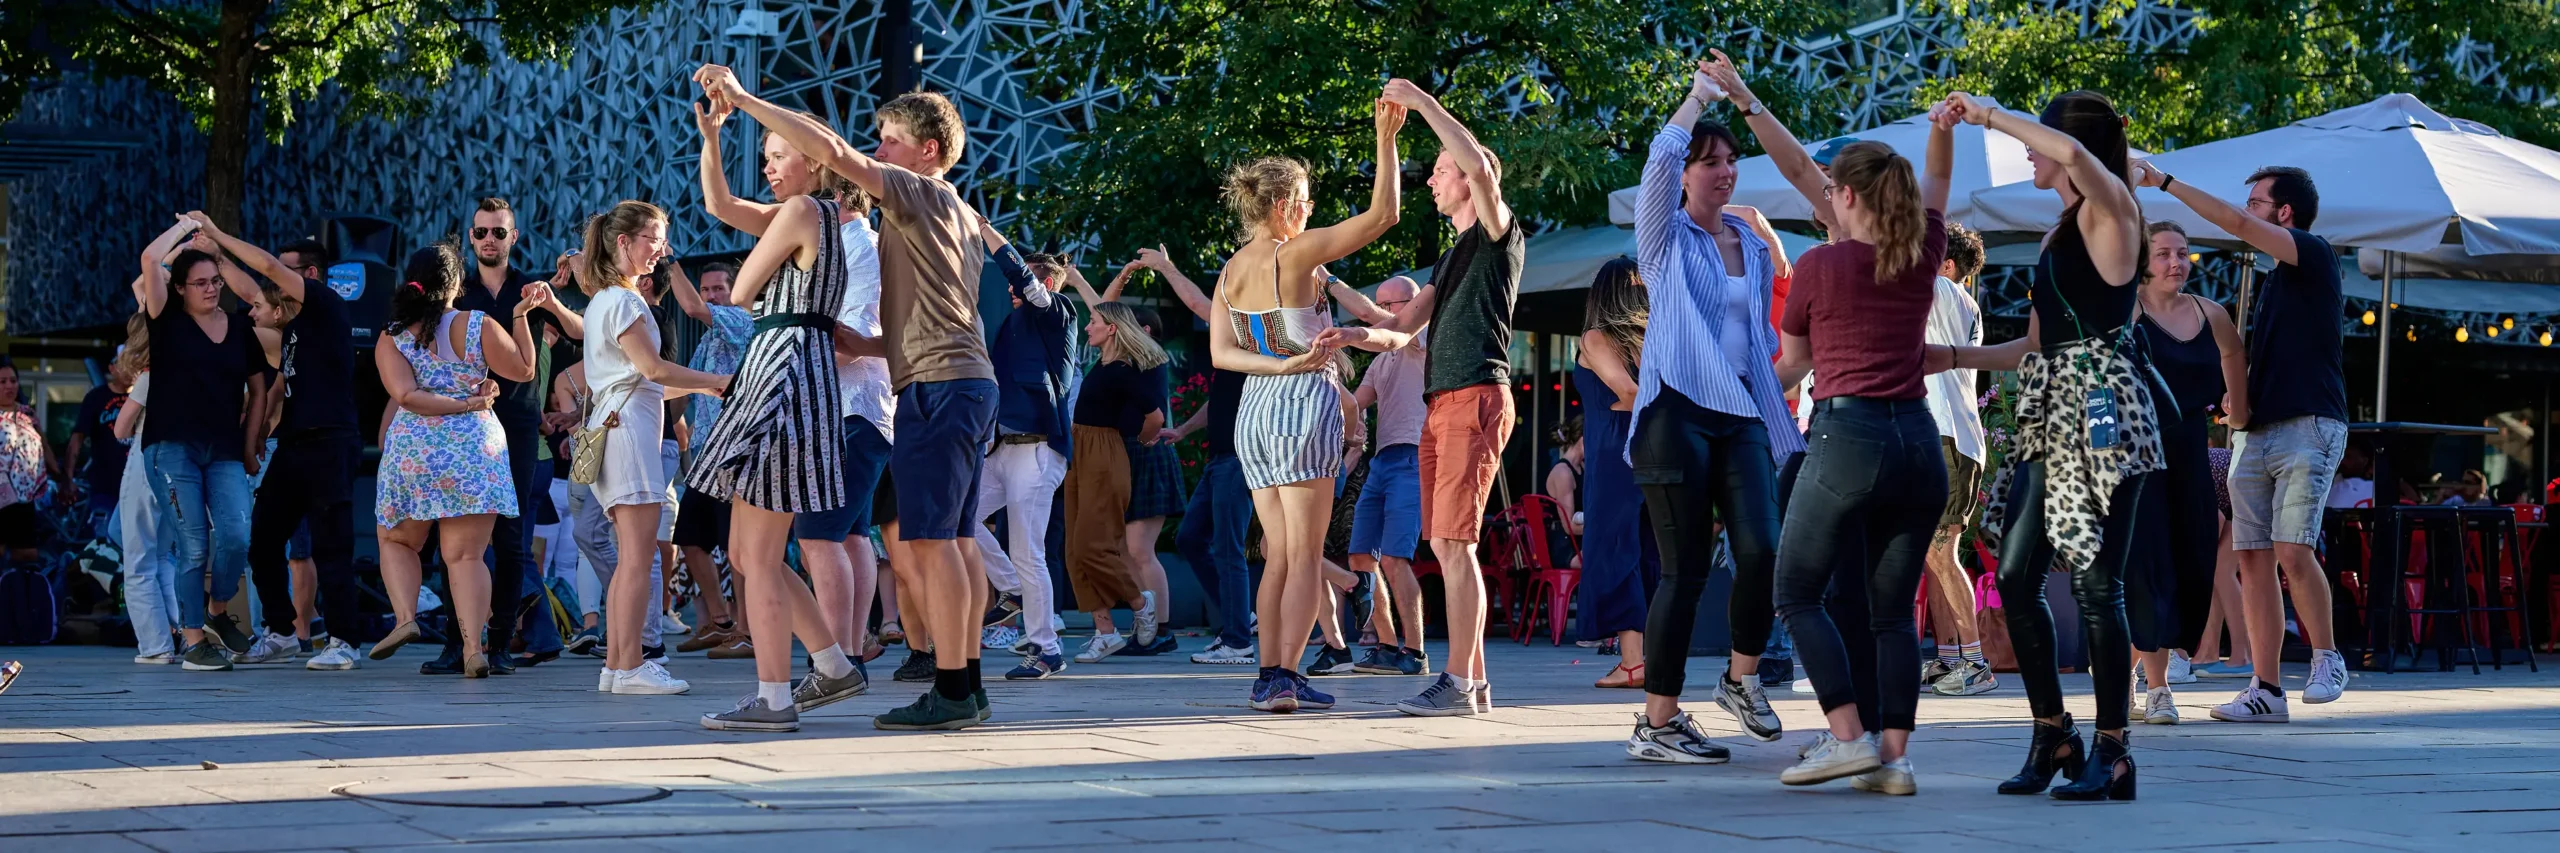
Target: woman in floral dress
<point>444,457</point>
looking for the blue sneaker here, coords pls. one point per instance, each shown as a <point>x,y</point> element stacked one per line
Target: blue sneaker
<point>1308,697</point>
<point>2223,669</point>
<point>1275,693</point>
<point>1037,667</point>
<point>1413,662</point>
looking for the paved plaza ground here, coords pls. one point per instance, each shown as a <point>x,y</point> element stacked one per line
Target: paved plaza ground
<point>98,754</point>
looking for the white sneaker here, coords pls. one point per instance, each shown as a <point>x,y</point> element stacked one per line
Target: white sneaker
<point>1967,679</point>
<point>271,648</point>
<point>2253,705</point>
<point>649,680</point>
<point>1102,646</point>
<point>2181,670</point>
<point>157,658</point>
<point>1221,653</point>
<point>1833,759</point>
<point>2163,710</point>
<point>604,680</point>
<point>337,655</point>
<point>1893,778</point>
<point>2328,677</point>
<point>1802,685</point>
<point>998,637</point>
<point>1146,618</point>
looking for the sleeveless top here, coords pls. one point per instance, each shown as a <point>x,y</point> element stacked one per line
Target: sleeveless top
<point>1279,332</point>
<point>2192,368</point>
<point>2072,299</point>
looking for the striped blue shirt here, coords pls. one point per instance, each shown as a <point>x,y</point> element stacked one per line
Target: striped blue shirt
<point>1683,270</point>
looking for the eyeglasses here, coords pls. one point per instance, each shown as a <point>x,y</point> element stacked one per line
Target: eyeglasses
<point>1307,203</point>
<point>2254,201</point>
<point>203,282</point>
<point>1393,303</point>
<point>499,232</point>
<point>1827,188</point>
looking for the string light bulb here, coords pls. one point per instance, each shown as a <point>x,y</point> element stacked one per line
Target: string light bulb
<point>2508,322</point>
<point>2493,331</point>
<point>2368,318</point>
<point>2413,335</point>
<point>2546,337</point>
<point>2462,334</point>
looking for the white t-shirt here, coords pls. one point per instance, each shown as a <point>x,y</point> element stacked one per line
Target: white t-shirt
<point>2347,492</point>
<point>609,371</point>
<point>1397,376</point>
<point>1955,320</point>
<point>1739,316</point>
<point>866,379</point>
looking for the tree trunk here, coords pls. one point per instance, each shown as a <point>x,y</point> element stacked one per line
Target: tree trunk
<point>234,84</point>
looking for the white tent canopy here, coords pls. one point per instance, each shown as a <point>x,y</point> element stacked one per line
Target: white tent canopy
<point>1983,159</point>
<point>2393,174</point>
<point>1567,259</point>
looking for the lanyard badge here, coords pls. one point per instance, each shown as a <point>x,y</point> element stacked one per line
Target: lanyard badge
<point>2102,418</point>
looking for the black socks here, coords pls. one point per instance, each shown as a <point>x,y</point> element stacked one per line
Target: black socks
<point>977,681</point>
<point>952,684</point>
<point>2263,685</point>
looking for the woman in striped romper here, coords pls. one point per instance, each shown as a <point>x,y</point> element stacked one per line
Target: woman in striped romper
<point>1289,422</point>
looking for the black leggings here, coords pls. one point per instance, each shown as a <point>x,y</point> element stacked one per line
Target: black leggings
<point>2168,594</point>
<point>1863,514</point>
<point>308,485</point>
<point>1698,466</point>
<point>2098,588</point>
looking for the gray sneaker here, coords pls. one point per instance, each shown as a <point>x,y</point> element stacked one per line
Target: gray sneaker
<point>1748,702</point>
<point>818,691</point>
<point>1680,742</point>
<point>1833,759</point>
<point>271,648</point>
<point>1967,679</point>
<point>1442,699</point>
<point>753,715</point>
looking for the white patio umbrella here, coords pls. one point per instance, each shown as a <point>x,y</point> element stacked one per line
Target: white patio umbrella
<point>1983,159</point>
<point>2394,175</point>
<point>1568,258</point>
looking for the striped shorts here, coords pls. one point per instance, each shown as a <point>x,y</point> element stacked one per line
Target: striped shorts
<point>1289,429</point>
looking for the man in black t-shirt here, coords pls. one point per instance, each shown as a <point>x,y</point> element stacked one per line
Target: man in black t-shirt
<point>310,478</point>
<point>95,453</point>
<point>2292,422</point>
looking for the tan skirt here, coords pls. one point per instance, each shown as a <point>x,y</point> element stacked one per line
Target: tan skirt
<point>1097,521</point>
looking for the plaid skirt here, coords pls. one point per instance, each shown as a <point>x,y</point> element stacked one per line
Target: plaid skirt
<point>1155,481</point>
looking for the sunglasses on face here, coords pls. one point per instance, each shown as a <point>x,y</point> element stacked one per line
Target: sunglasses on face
<point>497,233</point>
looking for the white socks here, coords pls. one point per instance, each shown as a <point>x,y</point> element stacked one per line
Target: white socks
<point>1469,685</point>
<point>831,662</point>
<point>776,694</point>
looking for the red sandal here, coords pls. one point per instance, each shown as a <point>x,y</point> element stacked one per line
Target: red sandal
<point>1634,681</point>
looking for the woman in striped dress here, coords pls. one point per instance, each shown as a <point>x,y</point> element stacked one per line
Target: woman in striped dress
<point>777,451</point>
<point>1289,421</point>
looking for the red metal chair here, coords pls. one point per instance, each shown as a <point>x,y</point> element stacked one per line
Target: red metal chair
<point>1535,529</point>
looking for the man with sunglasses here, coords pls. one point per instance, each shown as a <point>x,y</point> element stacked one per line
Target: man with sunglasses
<point>495,287</point>
<point>1386,521</point>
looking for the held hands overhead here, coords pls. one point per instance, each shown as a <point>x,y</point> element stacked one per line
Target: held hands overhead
<point>2147,175</point>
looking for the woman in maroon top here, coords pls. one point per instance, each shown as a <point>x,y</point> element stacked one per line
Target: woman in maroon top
<point>1873,479</point>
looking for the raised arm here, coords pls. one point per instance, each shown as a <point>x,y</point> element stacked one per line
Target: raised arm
<point>748,216</point>
<point>688,297</point>
<point>2264,236</point>
<point>1789,155</point>
<point>2235,362</point>
<point>1319,246</point>
<point>1658,195</point>
<point>1484,186</point>
<point>804,133</point>
<point>788,239</point>
<point>508,348</point>
<point>254,258</point>
<point>152,289</point>
<point>1183,288</point>
<point>1938,167</point>
<point>2106,210</point>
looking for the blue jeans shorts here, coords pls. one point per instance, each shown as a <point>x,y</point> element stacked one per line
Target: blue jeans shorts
<point>1388,520</point>
<point>2280,474</point>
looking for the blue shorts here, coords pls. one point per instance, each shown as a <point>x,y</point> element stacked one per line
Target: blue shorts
<point>866,454</point>
<point>1388,519</point>
<point>943,431</point>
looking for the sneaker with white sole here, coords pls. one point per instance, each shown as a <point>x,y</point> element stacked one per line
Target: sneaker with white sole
<point>1748,702</point>
<point>1933,670</point>
<point>1679,742</point>
<point>157,658</point>
<point>2328,677</point>
<point>649,679</point>
<point>2162,707</point>
<point>2253,705</point>
<point>753,715</point>
<point>1894,778</point>
<point>1833,759</point>
<point>1967,679</point>
<point>270,648</point>
<point>1802,685</point>
<point>337,655</point>
<point>1222,654</point>
<point>1102,646</point>
<point>999,636</point>
<point>1331,661</point>
<point>818,691</point>
<point>1146,618</point>
<point>1444,698</point>
<point>2181,670</point>
<point>605,678</point>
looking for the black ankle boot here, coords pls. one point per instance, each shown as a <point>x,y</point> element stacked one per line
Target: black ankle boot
<point>2054,748</point>
<point>2109,775</point>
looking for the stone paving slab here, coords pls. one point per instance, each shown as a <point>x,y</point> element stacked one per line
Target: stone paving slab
<point>98,754</point>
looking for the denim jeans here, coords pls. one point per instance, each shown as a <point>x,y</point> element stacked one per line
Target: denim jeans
<point>1698,467</point>
<point>1212,541</point>
<point>1867,503</point>
<point>594,532</point>
<point>204,505</point>
<point>150,597</point>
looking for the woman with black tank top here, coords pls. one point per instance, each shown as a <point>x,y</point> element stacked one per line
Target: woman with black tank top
<point>204,357</point>
<point>2195,349</point>
<point>2087,435</point>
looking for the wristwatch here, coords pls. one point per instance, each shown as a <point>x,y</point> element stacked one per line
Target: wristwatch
<point>1756,108</point>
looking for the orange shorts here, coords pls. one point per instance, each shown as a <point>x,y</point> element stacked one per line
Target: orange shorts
<point>1462,440</point>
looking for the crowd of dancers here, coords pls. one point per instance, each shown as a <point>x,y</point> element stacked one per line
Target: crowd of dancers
<point>1813,422</point>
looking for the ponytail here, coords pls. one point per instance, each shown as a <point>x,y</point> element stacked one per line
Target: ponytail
<point>428,284</point>
<point>600,258</point>
<point>1884,185</point>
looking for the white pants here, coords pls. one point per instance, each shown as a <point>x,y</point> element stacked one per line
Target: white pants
<point>1022,480</point>
<point>149,596</point>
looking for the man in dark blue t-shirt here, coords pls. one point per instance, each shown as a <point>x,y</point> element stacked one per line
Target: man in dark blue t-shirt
<point>95,453</point>
<point>2292,419</point>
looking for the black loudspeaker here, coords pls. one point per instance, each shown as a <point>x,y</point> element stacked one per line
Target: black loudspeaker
<point>368,266</point>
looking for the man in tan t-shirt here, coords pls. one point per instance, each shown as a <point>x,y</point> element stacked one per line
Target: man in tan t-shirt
<point>930,254</point>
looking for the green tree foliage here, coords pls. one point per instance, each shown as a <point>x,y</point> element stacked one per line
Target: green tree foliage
<point>2258,64</point>
<point>235,65</point>
<point>1566,92</point>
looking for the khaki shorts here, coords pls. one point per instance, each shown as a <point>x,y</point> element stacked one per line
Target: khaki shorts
<point>1462,439</point>
<point>1964,486</point>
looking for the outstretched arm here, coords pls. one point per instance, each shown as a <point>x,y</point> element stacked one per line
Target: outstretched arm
<point>152,289</point>
<point>804,133</point>
<point>1936,358</point>
<point>1789,155</point>
<point>1199,303</point>
<point>2107,211</point>
<point>1319,246</point>
<point>2264,236</point>
<point>1484,187</point>
<point>738,213</point>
